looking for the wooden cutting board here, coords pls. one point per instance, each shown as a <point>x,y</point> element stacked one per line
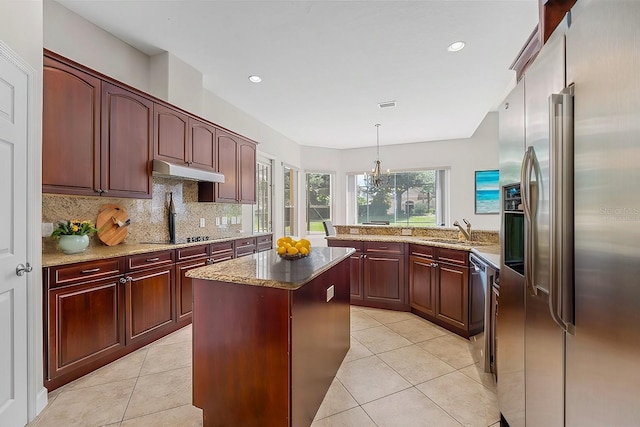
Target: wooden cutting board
<point>109,232</point>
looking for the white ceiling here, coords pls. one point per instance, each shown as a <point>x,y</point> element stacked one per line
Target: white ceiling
<point>326,65</point>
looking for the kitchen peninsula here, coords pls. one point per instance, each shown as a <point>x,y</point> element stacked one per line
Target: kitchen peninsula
<point>269,335</point>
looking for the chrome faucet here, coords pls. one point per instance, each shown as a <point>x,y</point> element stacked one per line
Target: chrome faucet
<point>467,232</point>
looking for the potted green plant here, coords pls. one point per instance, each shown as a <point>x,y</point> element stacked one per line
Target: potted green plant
<point>73,235</point>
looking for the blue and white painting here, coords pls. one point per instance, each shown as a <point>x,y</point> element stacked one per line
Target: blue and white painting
<point>487,192</point>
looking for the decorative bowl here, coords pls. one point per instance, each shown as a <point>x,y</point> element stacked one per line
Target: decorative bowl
<point>292,257</point>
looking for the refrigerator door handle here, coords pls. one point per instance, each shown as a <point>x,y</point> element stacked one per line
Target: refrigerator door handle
<point>561,229</point>
<point>525,190</point>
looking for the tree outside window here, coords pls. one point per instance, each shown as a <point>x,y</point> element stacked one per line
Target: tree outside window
<point>318,201</point>
<point>409,199</point>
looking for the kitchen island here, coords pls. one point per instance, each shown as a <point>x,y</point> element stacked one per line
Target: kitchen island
<point>269,335</point>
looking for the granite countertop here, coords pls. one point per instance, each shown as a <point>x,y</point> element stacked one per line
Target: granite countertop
<point>57,257</point>
<point>269,270</point>
<point>419,240</point>
<point>490,254</point>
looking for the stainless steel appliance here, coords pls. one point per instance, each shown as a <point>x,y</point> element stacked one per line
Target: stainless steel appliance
<point>568,340</point>
<point>482,275</point>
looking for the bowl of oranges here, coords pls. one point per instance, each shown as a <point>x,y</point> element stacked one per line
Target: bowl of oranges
<point>289,248</point>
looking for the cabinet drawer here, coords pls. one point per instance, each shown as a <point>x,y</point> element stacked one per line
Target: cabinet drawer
<point>245,246</point>
<point>192,252</point>
<point>422,251</point>
<point>148,260</point>
<point>453,256</point>
<point>222,251</point>
<point>386,247</point>
<point>359,246</point>
<point>85,271</point>
<point>264,243</point>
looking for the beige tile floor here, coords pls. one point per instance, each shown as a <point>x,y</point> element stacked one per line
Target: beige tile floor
<point>400,371</point>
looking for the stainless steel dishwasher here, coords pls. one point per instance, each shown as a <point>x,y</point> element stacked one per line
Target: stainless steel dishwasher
<point>482,276</point>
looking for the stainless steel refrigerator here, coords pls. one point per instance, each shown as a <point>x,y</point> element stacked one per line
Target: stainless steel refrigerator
<point>568,333</point>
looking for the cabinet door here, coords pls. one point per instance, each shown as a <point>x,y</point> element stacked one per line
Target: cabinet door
<point>149,299</point>
<point>422,285</point>
<point>202,145</point>
<point>247,172</point>
<point>453,295</point>
<point>184,289</point>
<point>355,275</point>
<point>384,278</point>
<point>85,323</point>
<point>70,130</point>
<point>170,135</point>
<point>228,166</point>
<point>127,132</point>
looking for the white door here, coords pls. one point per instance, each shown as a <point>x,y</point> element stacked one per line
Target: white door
<point>13,244</point>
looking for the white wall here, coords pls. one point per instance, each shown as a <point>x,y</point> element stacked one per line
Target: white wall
<point>461,156</point>
<point>74,37</point>
<point>21,30</point>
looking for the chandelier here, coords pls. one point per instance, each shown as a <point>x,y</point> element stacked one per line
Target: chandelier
<point>377,178</point>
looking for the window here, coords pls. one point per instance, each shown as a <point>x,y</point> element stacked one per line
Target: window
<point>262,212</point>
<point>318,201</point>
<point>414,198</point>
<point>290,199</point>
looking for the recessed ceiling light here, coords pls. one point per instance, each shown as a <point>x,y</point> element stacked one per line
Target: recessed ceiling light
<point>255,79</point>
<point>456,46</point>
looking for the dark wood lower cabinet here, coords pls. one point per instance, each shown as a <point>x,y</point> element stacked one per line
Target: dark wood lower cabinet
<point>86,324</point>
<point>453,295</point>
<point>266,356</point>
<point>439,288</point>
<point>422,285</point>
<point>149,303</point>
<point>378,274</point>
<point>184,289</point>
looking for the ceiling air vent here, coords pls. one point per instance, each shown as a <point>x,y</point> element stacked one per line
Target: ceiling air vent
<point>387,104</point>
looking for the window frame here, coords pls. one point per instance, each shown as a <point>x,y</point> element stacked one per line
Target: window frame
<point>332,180</point>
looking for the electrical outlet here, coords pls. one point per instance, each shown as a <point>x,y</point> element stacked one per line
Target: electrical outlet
<point>233,220</point>
<point>202,222</point>
<point>330,292</point>
<point>406,232</point>
<point>239,220</point>
<point>47,229</point>
<point>224,220</point>
<point>354,231</point>
<point>218,221</point>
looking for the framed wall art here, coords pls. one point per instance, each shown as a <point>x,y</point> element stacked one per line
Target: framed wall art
<point>487,192</point>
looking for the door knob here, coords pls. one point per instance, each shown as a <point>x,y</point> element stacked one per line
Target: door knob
<point>21,269</point>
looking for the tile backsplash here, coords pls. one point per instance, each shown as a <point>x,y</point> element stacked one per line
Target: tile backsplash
<point>149,217</point>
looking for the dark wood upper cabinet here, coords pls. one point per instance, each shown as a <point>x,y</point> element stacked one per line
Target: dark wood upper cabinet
<point>246,172</point>
<point>228,166</point>
<point>70,130</point>
<point>96,136</point>
<point>171,135</point>
<point>202,145</point>
<point>237,162</point>
<point>127,141</point>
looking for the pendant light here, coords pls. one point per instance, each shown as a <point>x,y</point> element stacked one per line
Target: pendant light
<point>377,178</point>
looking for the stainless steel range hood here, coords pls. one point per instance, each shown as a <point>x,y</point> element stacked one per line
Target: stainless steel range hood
<point>162,168</point>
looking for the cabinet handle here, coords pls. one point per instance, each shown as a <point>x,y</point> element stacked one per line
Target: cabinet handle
<point>123,280</point>
<point>129,279</point>
<point>104,191</point>
<point>434,265</point>
<point>98,190</point>
<point>153,259</point>
<point>92,270</point>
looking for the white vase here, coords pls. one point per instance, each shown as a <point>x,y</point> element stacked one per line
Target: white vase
<point>73,244</point>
